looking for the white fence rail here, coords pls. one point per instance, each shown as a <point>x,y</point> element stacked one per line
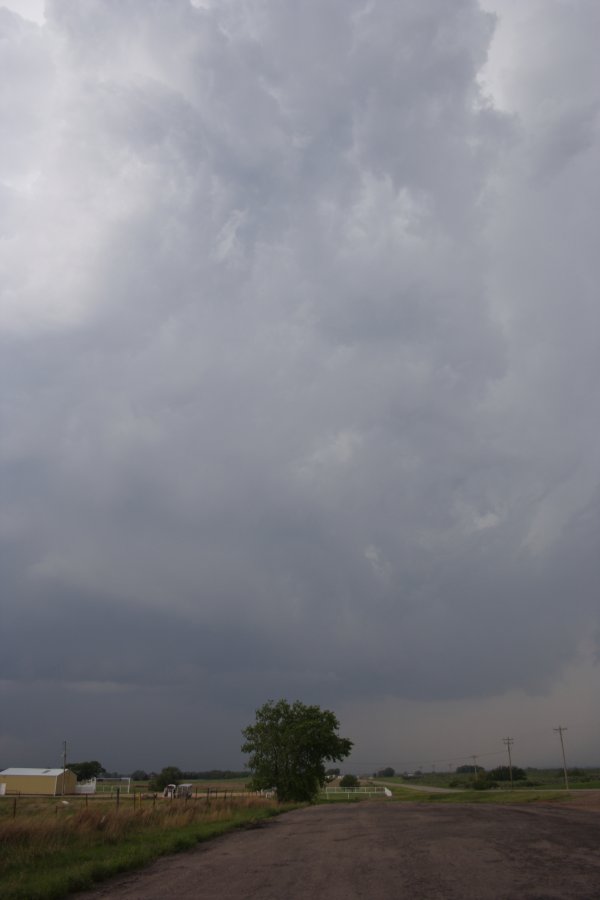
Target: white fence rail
<point>370,791</point>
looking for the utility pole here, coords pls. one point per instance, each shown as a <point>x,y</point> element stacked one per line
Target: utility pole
<point>560,730</point>
<point>64,765</point>
<point>475,769</point>
<point>508,741</point>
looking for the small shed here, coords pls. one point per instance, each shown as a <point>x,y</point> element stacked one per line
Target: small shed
<point>52,782</point>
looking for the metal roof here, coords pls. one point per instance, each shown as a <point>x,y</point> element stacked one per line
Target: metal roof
<point>49,772</point>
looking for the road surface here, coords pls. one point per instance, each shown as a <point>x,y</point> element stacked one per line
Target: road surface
<point>378,850</point>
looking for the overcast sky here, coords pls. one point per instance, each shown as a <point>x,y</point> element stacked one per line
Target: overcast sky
<point>299,377</point>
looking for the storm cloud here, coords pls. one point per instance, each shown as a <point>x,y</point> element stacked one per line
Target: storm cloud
<point>298,374</point>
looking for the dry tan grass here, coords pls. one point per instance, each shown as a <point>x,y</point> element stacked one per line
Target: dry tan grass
<point>50,826</point>
<point>51,846</point>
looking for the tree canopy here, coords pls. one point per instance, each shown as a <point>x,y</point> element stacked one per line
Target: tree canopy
<point>289,745</point>
<point>87,770</point>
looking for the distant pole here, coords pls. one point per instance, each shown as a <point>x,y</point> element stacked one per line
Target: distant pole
<point>560,730</point>
<point>475,769</point>
<point>508,741</point>
<point>64,765</point>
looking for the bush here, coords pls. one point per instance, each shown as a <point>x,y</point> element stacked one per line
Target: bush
<point>349,781</point>
<point>502,773</point>
<point>483,784</point>
<point>168,775</point>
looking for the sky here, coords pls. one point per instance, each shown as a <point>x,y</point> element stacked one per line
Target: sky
<point>299,366</point>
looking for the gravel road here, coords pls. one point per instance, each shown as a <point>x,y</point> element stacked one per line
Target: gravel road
<point>379,850</point>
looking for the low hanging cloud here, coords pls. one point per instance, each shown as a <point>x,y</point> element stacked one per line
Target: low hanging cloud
<point>298,349</point>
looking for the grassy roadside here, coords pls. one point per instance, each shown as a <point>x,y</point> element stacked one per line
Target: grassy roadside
<point>48,852</point>
<point>498,798</point>
<point>413,795</point>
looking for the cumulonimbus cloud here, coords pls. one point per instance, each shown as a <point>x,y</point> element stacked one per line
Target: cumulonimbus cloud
<point>298,345</point>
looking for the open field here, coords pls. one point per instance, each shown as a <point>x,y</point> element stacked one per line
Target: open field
<point>49,846</point>
<point>589,799</point>
<point>202,787</point>
<point>212,784</point>
<point>386,850</point>
<point>548,779</point>
<point>422,793</point>
<point>433,790</point>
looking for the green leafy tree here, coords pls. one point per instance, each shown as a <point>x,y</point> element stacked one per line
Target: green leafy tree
<point>289,745</point>
<point>168,775</point>
<point>87,770</point>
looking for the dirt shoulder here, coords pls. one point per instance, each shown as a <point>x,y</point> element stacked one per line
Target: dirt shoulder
<point>386,850</point>
<point>583,800</point>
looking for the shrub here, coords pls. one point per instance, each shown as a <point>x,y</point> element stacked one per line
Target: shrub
<point>502,773</point>
<point>349,781</point>
<point>168,775</point>
<point>483,784</point>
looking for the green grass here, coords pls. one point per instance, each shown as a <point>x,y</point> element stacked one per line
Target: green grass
<point>49,850</point>
<point>497,797</point>
<point>542,779</point>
